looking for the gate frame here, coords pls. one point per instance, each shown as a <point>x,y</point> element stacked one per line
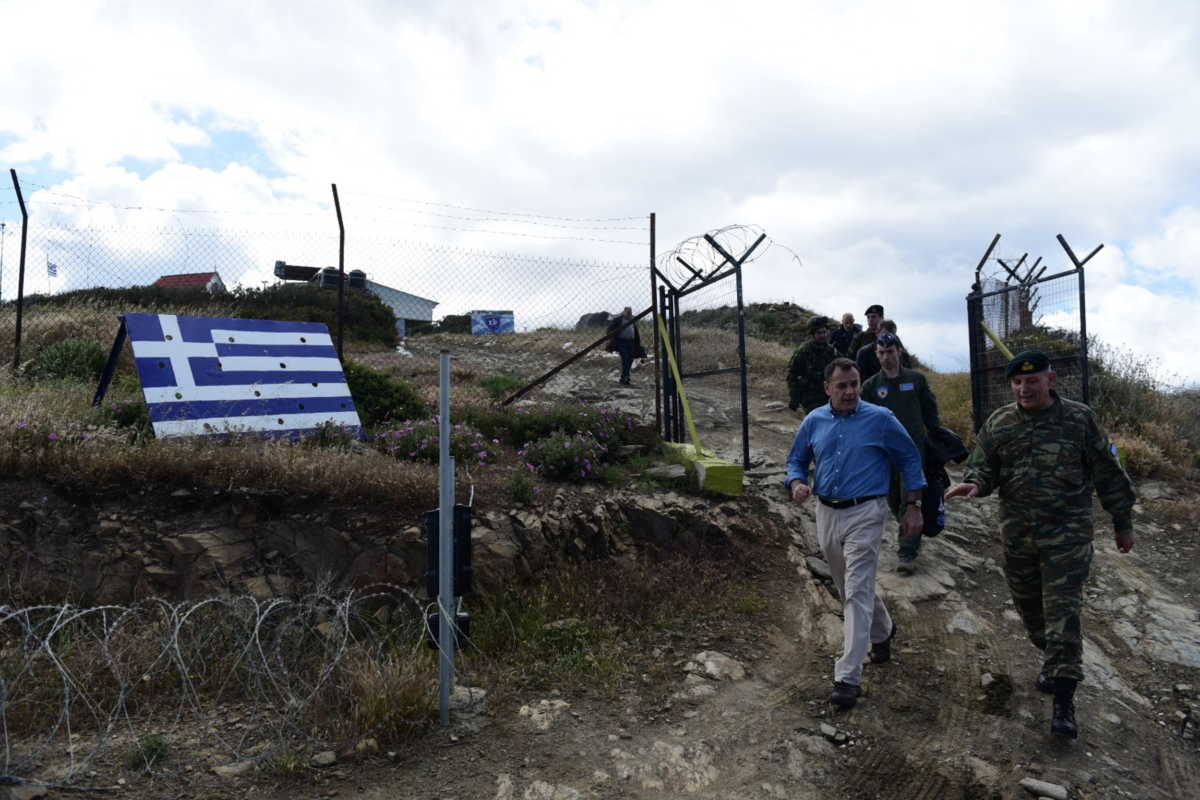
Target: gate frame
<point>1026,283</point>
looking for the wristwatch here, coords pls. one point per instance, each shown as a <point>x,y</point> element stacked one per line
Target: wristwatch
<point>916,503</point>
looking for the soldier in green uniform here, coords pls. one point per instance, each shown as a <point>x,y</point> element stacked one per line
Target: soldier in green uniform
<point>865,337</point>
<point>1045,455</point>
<point>907,394</point>
<point>806,370</point>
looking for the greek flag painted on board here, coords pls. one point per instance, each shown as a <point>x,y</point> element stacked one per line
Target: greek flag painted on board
<point>204,375</point>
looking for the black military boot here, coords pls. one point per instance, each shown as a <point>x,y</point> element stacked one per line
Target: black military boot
<point>1063,721</point>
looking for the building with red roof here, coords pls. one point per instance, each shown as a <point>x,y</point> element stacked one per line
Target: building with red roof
<point>210,281</point>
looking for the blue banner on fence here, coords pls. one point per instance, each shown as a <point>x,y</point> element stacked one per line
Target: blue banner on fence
<point>485,323</point>
<point>204,376</point>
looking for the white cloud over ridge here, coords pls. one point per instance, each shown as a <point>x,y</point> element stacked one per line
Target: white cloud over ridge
<point>884,143</point>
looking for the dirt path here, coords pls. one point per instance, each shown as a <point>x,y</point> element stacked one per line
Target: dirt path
<point>955,715</point>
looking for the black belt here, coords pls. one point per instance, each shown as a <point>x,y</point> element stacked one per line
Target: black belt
<point>850,501</point>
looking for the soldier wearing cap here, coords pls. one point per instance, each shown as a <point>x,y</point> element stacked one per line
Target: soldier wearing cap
<point>1045,455</point>
<point>806,370</point>
<point>874,314</point>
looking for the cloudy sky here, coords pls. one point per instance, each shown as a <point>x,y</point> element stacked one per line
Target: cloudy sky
<point>883,143</point>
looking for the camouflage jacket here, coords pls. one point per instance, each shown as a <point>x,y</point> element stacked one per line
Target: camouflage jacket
<point>860,340</point>
<point>1046,464</point>
<point>806,375</point>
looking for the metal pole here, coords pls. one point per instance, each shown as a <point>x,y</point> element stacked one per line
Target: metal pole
<point>654,319</point>
<point>677,346</point>
<point>341,269</point>
<point>2,227</point>
<point>1084,389</point>
<point>668,379</point>
<point>20,268</point>
<point>446,605</point>
<point>744,375</point>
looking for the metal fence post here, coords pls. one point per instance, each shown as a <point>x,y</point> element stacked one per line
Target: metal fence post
<point>21,268</point>
<point>745,379</point>
<point>446,606</point>
<point>341,313</point>
<point>654,320</point>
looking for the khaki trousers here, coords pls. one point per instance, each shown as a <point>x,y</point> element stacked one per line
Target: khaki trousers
<point>850,539</point>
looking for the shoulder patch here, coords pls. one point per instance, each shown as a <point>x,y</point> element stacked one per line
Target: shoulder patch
<point>881,392</point>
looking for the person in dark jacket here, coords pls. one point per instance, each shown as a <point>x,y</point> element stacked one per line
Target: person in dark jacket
<point>868,363</point>
<point>841,336</point>
<point>874,314</point>
<point>806,370</point>
<point>625,341</point>
<point>907,394</point>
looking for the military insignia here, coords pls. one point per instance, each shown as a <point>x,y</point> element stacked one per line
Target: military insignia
<point>906,387</point>
<point>882,392</point>
<point>1026,366</point>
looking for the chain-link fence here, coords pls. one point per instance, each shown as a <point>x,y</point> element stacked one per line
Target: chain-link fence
<point>87,262</point>
<point>1043,314</point>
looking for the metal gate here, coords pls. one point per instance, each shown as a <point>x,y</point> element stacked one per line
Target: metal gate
<point>1020,308</point>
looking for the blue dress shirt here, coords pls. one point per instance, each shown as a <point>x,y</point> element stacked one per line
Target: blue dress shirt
<point>855,452</point>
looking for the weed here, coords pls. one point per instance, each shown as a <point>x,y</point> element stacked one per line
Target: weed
<point>565,457</point>
<point>520,489</point>
<point>418,440</point>
<point>71,358</point>
<point>500,386</point>
<point>151,751</point>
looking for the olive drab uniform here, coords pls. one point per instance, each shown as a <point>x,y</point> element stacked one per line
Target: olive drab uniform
<point>861,339</point>
<point>1045,465</point>
<point>806,375</point>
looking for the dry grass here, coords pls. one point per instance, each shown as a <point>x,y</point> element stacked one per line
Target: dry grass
<point>953,392</point>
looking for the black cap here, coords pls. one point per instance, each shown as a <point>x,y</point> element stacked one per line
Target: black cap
<point>816,323</point>
<point>1027,363</point>
<point>888,339</point>
<point>874,309</point>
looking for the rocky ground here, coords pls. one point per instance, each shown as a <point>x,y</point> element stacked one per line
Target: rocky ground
<point>744,713</point>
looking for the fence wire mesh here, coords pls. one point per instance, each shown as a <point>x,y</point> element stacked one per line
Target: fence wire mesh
<point>115,688</point>
<point>1043,315</point>
<point>566,276</point>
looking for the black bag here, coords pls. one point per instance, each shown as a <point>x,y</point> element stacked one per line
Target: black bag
<point>943,446</point>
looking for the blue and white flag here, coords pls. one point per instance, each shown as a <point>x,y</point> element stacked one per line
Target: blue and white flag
<point>52,269</point>
<point>204,376</point>
<point>485,323</point>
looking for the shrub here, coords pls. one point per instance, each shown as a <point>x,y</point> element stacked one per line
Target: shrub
<point>150,752</point>
<point>1142,459</point>
<point>379,397</point>
<point>565,456</point>
<point>82,359</point>
<point>499,386</point>
<point>520,489</point>
<point>521,426</point>
<point>417,440</point>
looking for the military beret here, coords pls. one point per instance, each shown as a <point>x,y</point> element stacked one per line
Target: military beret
<point>816,323</point>
<point>874,309</point>
<point>1027,363</point>
<point>888,339</point>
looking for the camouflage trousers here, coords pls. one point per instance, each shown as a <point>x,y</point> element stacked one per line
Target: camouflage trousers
<point>1046,572</point>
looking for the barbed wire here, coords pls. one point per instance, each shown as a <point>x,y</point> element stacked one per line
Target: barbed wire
<point>81,682</point>
<point>707,261</point>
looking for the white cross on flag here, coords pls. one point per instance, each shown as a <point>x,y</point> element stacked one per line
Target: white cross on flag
<point>204,375</point>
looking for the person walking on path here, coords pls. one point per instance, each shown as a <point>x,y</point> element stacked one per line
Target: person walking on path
<point>841,336</point>
<point>854,445</point>
<point>1045,455</point>
<point>625,341</point>
<point>906,393</point>
<point>806,370</point>
<point>874,314</point>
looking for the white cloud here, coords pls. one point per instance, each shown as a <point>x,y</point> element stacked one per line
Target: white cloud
<point>884,142</point>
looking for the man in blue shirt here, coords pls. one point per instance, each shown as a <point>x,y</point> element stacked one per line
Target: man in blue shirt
<point>854,445</point>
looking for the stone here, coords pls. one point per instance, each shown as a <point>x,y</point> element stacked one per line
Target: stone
<point>544,713</point>
<point>1044,789</point>
<point>234,770</point>
<point>775,405</point>
<point>717,666</point>
<point>326,758</point>
<point>468,700</point>
<point>666,472</point>
<point>828,731</point>
<point>986,680</point>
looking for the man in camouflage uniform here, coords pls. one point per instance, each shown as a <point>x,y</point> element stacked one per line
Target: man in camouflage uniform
<point>806,371</point>
<point>1046,454</point>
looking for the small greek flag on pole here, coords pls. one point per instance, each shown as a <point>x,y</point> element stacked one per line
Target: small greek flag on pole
<point>51,269</point>
<point>205,376</point>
